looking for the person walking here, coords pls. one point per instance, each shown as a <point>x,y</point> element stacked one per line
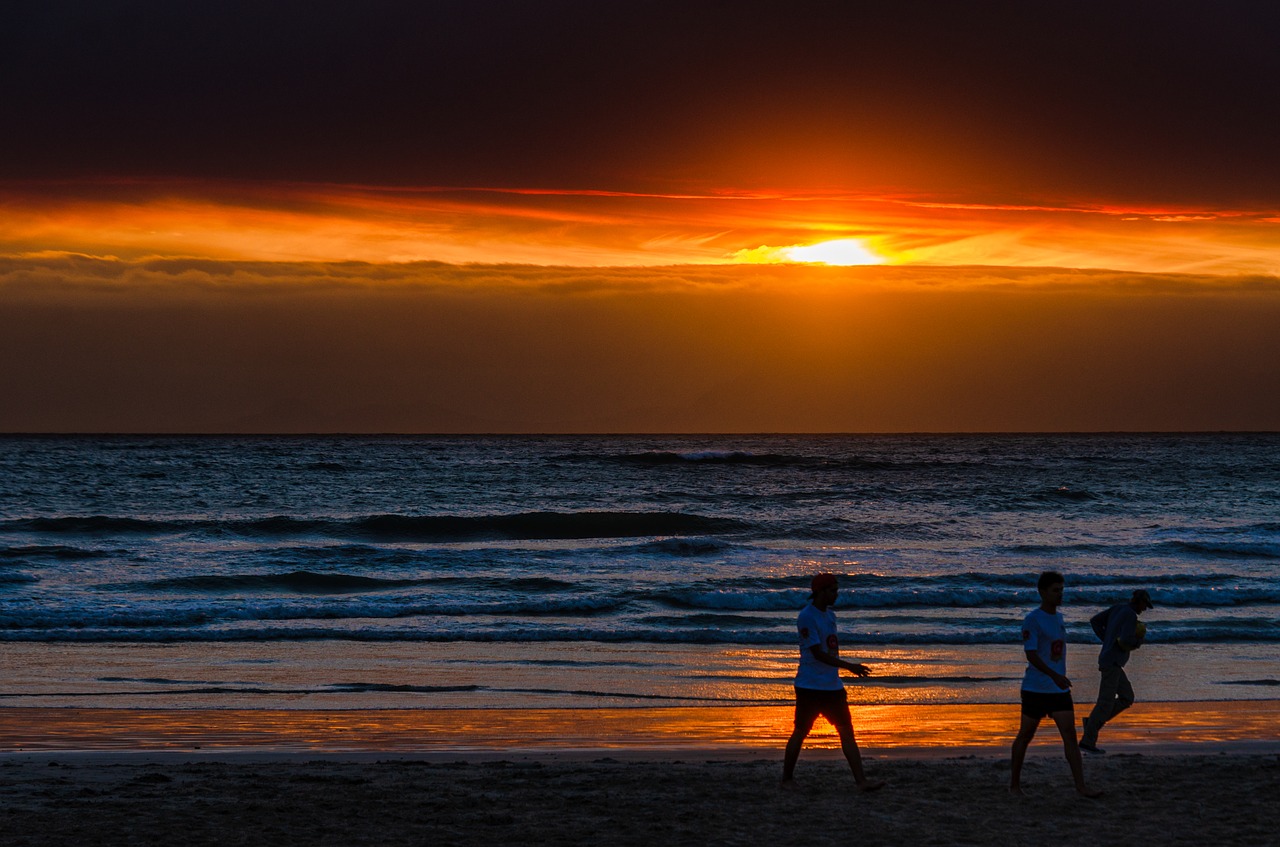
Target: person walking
<point>1121,633</point>
<point>1046,690</point>
<point>819,689</point>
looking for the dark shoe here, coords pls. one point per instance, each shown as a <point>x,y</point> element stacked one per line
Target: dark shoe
<point>1093,749</point>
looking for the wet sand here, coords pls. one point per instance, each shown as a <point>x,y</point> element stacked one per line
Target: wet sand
<point>1204,773</point>
<point>914,730</point>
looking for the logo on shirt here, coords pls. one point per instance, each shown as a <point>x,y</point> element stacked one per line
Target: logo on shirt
<point>833,645</point>
<point>1026,635</point>
<point>804,633</point>
<point>1058,649</point>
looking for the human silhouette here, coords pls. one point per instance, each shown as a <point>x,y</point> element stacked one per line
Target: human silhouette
<point>1045,687</point>
<point>1121,633</point>
<point>819,689</point>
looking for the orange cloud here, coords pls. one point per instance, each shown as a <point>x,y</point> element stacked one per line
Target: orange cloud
<point>308,222</point>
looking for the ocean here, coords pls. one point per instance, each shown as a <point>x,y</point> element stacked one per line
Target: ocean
<point>580,571</point>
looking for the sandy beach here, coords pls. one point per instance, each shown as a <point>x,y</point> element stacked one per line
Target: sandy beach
<point>1176,773</point>
<point>687,799</point>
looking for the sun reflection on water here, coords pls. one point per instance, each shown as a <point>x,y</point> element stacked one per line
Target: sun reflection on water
<point>743,727</point>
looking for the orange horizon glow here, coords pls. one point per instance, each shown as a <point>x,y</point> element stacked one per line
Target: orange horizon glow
<point>573,227</point>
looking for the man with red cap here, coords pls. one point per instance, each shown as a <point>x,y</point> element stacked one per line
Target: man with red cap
<point>819,689</point>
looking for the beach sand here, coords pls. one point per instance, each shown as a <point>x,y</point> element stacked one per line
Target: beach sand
<point>1160,800</point>
<point>622,777</point>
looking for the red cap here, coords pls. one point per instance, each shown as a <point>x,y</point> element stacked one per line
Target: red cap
<point>821,581</point>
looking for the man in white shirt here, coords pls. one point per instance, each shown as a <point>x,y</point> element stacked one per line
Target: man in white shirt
<point>1045,687</point>
<point>819,690</point>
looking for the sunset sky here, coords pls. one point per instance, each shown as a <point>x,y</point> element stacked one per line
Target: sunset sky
<point>638,216</point>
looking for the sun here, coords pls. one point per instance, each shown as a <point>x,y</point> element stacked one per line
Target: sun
<point>843,251</point>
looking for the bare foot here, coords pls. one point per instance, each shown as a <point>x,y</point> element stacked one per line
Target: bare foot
<point>1091,793</point>
<point>868,785</point>
<point>787,785</point>
<point>1016,791</point>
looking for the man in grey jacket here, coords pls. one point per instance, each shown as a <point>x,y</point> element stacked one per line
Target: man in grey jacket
<point>1121,633</point>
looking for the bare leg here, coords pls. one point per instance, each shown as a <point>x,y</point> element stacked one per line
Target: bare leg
<point>792,754</point>
<point>803,723</point>
<point>1066,721</point>
<point>1026,732</point>
<point>849,744</point>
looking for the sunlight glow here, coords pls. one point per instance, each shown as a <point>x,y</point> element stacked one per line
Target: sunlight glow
<point>844,251</point>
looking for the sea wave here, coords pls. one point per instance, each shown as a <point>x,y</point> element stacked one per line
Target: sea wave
<point>972,591</point>
<point>139,617</point>
<point>51,551</point>
<point>716,457</point>
<point>1226,549</point>
<point>11,579</point>
<point>703,619</point>
<point>95,525</point>
<point>336,467</point>
<point>855,529</point>
<point>390,527</point>
<point>1070,549</point>
<point>1064,493</point>
<point>747,458</point>
<point>1179,549</point>
<point>524,633</point>
<point>309,582</point>
<point>303,582</point>
<point>683,547</point>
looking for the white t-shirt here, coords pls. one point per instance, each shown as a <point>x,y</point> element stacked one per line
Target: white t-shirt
<point>1046,634</point>
<point>818,628</point>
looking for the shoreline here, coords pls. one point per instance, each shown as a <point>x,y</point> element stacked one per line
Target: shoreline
<point>1182,773</point>
<point>913,731</point>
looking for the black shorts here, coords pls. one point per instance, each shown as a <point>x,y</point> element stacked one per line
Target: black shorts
<point>832,705</point>
<point>1037,705</point>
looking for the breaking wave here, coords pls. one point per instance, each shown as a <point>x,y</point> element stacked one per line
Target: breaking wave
<point>441,528</point>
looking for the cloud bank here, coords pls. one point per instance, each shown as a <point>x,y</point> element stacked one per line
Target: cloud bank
<point>179,345</point>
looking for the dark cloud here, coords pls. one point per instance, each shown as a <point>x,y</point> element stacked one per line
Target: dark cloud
<point>192,346</point>
<point>1149,100</point>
